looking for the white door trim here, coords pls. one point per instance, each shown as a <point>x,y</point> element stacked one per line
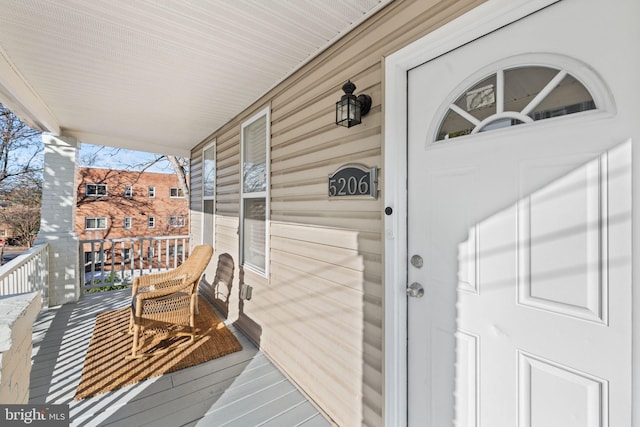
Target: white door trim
<point>482,20</point>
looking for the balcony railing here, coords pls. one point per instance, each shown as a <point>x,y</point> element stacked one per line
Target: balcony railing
<point>113,263</point>
<point>28,272</point>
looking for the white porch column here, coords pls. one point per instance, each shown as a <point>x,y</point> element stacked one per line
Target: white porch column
<point>58,219</point>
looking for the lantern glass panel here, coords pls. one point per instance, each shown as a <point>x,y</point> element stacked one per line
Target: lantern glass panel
<point>348,111</point>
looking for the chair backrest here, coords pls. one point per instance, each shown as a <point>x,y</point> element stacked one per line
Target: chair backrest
<point>196,263</point>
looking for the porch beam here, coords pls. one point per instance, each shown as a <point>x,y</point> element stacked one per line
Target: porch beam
<point>130,143</point>
<point>18,95</point>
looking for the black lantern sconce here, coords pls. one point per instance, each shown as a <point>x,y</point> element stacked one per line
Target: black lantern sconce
<point>350,109</point>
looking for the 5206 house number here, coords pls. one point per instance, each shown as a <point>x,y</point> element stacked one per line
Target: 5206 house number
<point>354,180</point>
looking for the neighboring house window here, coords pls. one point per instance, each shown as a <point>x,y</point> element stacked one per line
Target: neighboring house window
<point>151,191</point>
<point>254,209</point>
<point>208,194</point>
<point>127,222</point>
<point>151,222</point>
<point>128,192</point>
<point>175,192</point>
<point>3,233</point>
<point>176,221</point>
<point>173,250</point>
<point>93,257</point>
<point>96,190</point>
<point>126,254</point>
<point>97,223</point>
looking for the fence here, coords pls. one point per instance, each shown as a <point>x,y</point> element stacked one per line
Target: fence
<point>109,263</point>
<point>28,272</point>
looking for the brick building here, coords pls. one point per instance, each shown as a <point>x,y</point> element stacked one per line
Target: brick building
<point>116,203</point>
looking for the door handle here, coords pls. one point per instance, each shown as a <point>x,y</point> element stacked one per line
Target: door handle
<point>415,290</point>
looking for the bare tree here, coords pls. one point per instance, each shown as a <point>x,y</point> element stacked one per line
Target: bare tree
<point>20,177</point>
<point>179,165</point>
<point>21,207</point>
<point>20,147</point>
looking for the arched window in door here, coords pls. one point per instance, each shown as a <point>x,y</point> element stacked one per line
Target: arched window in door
<point>513,95</point>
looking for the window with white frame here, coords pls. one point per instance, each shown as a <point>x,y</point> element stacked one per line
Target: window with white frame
<point>95,223</point>
<point>128,191</point>
<point>93,257</point>
<point>208,194</point>
<point>96,190</point>
<point>176,221</point>
<point>151,222</point>
<point>176,250</point>
<point>151,191</point>
<point>175,192</point>
<point>254,209</point>
<point>127,222</point>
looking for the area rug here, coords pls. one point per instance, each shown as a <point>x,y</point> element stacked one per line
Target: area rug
<point>106,368</point>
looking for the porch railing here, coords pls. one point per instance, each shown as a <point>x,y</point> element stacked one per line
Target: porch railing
<point>109,263</point>
<point>28,272</point>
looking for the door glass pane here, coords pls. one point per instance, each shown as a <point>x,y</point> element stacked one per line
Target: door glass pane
<point>480,99</point>
<point>254,165</point>
<point>255,233</point>
<point>209,172</point>
<point>207,223</point>
<point>569,97</point>
<point>521,86</point>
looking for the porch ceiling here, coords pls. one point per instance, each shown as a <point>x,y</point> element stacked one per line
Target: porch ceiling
<point>156,75</point>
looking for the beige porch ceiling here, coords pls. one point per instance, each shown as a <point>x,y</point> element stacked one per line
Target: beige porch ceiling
<point>156,75</point>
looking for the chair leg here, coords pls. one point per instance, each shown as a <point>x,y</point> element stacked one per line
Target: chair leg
<point>130,322</point>
<point>136,335</point>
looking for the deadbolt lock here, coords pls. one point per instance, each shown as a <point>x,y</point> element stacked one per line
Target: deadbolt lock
<point>417,261</point>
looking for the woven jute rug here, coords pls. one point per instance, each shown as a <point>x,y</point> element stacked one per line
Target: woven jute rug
<point>106,367</point>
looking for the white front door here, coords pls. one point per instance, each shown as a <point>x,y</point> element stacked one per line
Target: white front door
<point>519,237</point>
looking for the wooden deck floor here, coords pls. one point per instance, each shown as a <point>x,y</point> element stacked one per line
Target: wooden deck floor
<point>240,389</point>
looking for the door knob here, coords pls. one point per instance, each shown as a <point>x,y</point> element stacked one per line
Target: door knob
<point>415,290</point>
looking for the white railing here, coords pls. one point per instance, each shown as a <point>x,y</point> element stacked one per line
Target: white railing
<point>28,272</point>
<point>107,263</point>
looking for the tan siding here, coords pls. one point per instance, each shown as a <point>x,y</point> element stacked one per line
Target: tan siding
<point>319,315</point>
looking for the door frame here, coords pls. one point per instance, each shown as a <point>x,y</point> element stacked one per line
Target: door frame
<point>486,18</point>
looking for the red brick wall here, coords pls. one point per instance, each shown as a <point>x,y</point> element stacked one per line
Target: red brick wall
<point>115,206</point>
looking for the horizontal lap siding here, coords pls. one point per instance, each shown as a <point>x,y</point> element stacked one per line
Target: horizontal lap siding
<point>319,315</point>
<point>227,215</point>
<point>303,156</point>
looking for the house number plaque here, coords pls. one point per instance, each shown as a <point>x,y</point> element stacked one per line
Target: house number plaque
<point>354,180</point>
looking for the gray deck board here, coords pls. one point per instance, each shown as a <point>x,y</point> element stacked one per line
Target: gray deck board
<point>240,389</point>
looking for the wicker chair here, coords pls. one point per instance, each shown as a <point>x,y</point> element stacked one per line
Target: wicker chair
<point>165,304</point>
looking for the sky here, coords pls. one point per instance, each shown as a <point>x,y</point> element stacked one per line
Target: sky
<point>112,158</point>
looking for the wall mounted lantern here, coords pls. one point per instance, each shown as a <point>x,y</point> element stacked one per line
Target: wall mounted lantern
<point>351,108</point>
